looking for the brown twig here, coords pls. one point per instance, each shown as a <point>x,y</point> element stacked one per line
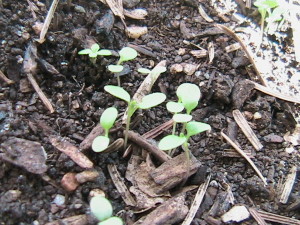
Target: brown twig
<point>277,218</point>
<point>5,79</point>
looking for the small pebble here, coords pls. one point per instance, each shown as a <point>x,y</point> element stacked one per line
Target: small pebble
<point>79,9</point>
<point>236,214</point>
<point>273,138</point>
<point>178,59</point>
<point>59,200</point>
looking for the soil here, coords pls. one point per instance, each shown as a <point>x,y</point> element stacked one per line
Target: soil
<point>31,183</point>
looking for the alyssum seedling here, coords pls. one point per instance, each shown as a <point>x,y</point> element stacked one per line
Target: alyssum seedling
<point>94,51</point>
<point>126,54</point>
<point>107,120</point>
<point>147,102</point>
<point>103,211</point>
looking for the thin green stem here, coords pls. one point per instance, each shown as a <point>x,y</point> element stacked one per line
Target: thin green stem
<point>174,128</point>
<point>118,79</point>
<point>126,132</point>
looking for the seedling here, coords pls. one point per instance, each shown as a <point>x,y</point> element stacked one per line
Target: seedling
<point>103,211</point>
<point>94,51</point>
<point>147,102</point>
<point>107,120</point>
<point>126,54</point>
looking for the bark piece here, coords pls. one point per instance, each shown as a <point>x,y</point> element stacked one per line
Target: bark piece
<point>71,150</point>
<point>74,220</point>
<point>29,155</point>
<point>241,92</point>
<point>121,187</point>
<point>170,212</point>
<point>88,141</point>
<point>247,130</point>
<point>196,203</point>
<point>278,218</point>
<point>288,185</point>
<point>172,172</point>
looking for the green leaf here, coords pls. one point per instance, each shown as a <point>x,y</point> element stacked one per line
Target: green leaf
<point>93,55</point>
<point>182,118</point>
<point>174,107</point>
<point>104,52</point>
<point>189,94</point>
<point>101,207</point>
<point>108,118</point>
<point>152,100</point>
<point>112,221</point>
<point>127,54</point>
<point>144,70</point>
<point>100,143</point>
<point>115,68</point>
<point>118,92</point>
<point>85,52</point>
<point>195,127</point>
<point>170,142</point>
<point>95,47</point>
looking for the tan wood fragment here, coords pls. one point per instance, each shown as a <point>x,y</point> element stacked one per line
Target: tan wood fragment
<point>247,130</point>
<point>277,218</point>
<point>71,150</point>
<point>47,21</point>
<point>288,185</point>
<point>257,216</point>
<point>275,93</point>
<point>5,79</point>
<point>197,202</point>
<point>233,47</point>
<point>239,150</point>
<point>121,187</point>
<point>204,14</point>
<point>248,52</point>
<point>159,154</point>
<point>74,220</point>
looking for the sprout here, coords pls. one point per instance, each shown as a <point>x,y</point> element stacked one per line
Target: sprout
<point>189,95</point>
<point>94,51</point>
<point>147,102</point>
<point>107,120</point>
<point>126,54</point>
<point>102,210</point>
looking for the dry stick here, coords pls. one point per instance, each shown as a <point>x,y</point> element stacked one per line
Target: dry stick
<point>245,156</point>
<point>40,93</point>
<point>277,218</point>
<point>288,185</point>
<point>121,187</point>
<point>48,21</point>
<point>275,93</point>
<point>5,79</point>
<point>243,124</point>
<point>249,54</point>
<point>257,216</point>
<point>159,154</point>
<point>196,203</point>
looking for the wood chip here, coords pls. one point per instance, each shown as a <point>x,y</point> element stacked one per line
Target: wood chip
<point>276,94</point>
<point>74,220</point>
<point>257,216</point>
<point>121,187</point>
<point>233,47</point>
<point>288,185</point>
<point>71,150</point>
<point>204,15</point>
<point>201,53</point>
<point>247,130</point>
<point>277,218</point>
<point>47,21</point>
<point>138,14</point>
<point>197,202</point>
<point>211,52</point>
<point>245,156</point>
<point>5,79</point>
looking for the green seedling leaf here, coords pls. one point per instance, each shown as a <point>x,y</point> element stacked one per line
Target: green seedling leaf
<point>104,52</point>
<point>182,118</point>
<point>95,47</point>
<point>101,207</point>
<point>195,127</point>
<point>85,52</point>
<point>144,70</point>
<point>152,100</point>
<point>93,55</point>
<point>108,118</point>
<point>115,68</point>
<point>170,142</point>
<point>118,92</point>
<point>100,143</point>
<point>112,221</point>
<point>189,94</point>
<point>174,107</point>
<point>127,54</point>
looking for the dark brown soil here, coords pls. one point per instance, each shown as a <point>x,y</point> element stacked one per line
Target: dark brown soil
<point>77,94</point>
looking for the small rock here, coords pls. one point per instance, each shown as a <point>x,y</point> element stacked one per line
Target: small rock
<point>236,214</point>
<point>189,69</point>
<point>69,182</point>
<point>130,3</point>
<point>85,176</point>
<point>176,68</point>
<point>178,59</point>
<point>136,32</point>
<point>181,51</point>
<point>59,200</point>
<point>79,9</point>
<point>257,116</point>
<point>11,196</point>
<point>273,138</point>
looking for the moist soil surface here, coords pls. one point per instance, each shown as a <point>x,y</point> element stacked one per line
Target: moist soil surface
<point>32,166</point>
